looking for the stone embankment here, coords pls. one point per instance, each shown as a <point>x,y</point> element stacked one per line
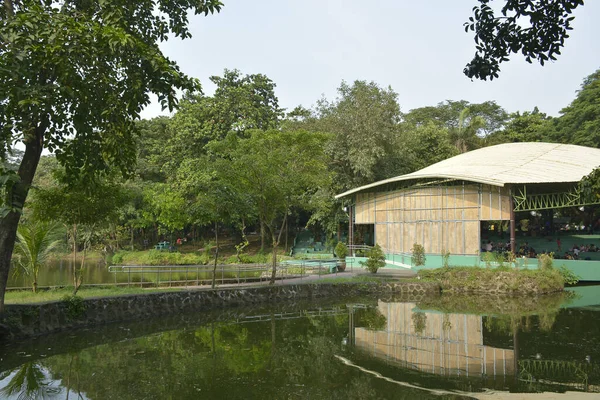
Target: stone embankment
<point>38,319</point>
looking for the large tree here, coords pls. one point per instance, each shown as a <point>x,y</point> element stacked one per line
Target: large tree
<point>276,170</point>
<point>535,28</point>
<point>580,120</point>
<point>74,76</point>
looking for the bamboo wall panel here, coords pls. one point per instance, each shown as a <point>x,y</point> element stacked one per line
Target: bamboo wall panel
<point>441,218</point>
<point>449,344</point>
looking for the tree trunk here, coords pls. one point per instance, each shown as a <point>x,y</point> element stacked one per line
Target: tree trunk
<point>262,236</point>
<point>9,223</point>
<point>275,244</point>
<point>216,254</point>
<point>74,236</point>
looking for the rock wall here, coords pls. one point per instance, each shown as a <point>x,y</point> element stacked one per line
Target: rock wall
<point>43,318</point>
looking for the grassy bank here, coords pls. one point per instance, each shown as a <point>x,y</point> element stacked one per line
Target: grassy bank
<point>28,297</point>
<point>156,257</point>
<point>495,280</point>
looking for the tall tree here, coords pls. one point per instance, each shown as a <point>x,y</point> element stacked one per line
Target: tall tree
<point>529,126</point>
<point>277,170</point>
<point>74,75</point>
<point>364,123</point>
<point>535,28</point>
<point>580,121</point>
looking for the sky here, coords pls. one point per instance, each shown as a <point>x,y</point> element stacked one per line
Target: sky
<point>419,48</point>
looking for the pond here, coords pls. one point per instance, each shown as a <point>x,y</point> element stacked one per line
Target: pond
<point>96,272</point>
<point>443,348</point>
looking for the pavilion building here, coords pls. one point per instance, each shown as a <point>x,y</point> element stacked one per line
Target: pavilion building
<point>445,207</point>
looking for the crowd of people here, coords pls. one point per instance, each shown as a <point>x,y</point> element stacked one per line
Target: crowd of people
<point>525,250</point>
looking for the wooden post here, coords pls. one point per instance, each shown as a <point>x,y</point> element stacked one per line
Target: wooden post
<point>351,229</point>
<point>512,224</point>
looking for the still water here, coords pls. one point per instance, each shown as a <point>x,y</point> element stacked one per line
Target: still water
<point>443,348</point>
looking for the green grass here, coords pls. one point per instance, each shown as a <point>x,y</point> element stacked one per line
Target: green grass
<point>504,279</point>
<point>156,257</point>
<point>28,297</point>
<point>354,279</point>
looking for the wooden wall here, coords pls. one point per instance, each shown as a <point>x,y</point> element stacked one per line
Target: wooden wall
<point>441,218</point>
<point>450,344</point>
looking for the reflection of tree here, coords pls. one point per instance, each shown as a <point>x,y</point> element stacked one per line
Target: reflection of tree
<point>269,360</point>
<point>419,321</point>
<point>370,318</point>
<point>29,382</point>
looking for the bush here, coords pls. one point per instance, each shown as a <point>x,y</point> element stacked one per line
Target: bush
<point>568,276</point>
<point>75,306</point>
<point>445,258</point>
<point>341,250</point>
<point>546,262</point>
<point>376,259</point>
<point>418,255</point>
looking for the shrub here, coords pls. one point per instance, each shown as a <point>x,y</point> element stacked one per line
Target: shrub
<point>546,262</point>
<point>488,257</point>
<point>341,250</point>
<point>375,260</point>
<point>568,276</point>
<point>445,258</point>
<point>117,258</point>
<point>75,306</point>
<point>418,255</point>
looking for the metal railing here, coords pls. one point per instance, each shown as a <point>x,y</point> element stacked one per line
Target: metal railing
<point>199,275</point>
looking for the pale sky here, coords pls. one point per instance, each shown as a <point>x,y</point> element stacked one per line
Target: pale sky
<point>419,48</point>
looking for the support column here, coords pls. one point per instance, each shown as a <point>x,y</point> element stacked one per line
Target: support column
<point>512,223</point>
<point>351,229</point>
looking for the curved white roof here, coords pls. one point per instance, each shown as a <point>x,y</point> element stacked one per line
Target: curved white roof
<point>517,163</point>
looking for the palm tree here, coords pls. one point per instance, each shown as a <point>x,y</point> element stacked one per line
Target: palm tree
<point>465,135</point>
<point>32,250</point>
<point>30,381</point>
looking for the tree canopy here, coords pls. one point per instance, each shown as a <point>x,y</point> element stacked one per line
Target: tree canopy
<point>74,76</point>
<point>535,28</point>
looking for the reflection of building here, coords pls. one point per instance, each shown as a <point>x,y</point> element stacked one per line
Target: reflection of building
<point>443,344</point>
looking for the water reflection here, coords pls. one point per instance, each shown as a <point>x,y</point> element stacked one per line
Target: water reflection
<point>554,350</point>
<point>442,344</point>
<point>360,349</point>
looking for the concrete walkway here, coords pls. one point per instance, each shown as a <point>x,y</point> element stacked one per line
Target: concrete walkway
<point>393,273</point>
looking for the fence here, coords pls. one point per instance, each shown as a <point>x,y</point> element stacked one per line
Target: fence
<point>197,275</point>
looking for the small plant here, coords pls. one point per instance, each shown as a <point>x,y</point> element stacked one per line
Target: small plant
<point>568,276</point>
<point>499,259</point>
<point>418,255</point>
<point>445,258</point>
<point>375,260</point>
<point>341,251</point>
<point>75,306</point>
<point>488,258</point>
<point>546,262</point>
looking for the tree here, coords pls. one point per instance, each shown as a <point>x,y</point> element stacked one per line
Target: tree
<point>529,126</point>
<point>464,136</point>
<point>447,114</point>
<point>535,28</point>
<point>32,250</point>
<point>426,144</point>
<point>277,170</point>
<point>580,120</point>
<point>83,207</point>
<point>74,75</point>
<point>364,122</point>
